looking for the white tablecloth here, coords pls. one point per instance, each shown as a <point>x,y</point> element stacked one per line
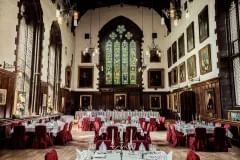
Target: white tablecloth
<point>127,155</point>
<point>117,115</point>
<point>67,118</point>
<point>52,127</point>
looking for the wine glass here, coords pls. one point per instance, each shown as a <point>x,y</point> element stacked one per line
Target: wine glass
<point>133,146</point>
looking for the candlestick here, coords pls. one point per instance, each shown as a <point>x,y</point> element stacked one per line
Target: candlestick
<point>131,136</point>
<point>112,143</point>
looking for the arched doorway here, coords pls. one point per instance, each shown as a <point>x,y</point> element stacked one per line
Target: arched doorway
<point>120,62</point>
<point>54,68</point>
<point>28,57</point>
<point>188,106</point>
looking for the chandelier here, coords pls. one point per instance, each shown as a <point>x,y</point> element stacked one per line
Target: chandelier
<point>153,49</point>
<point>92,50</point>
<point>66,9</point>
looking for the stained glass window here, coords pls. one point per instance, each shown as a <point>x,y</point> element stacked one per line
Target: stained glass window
<point>120,58</point>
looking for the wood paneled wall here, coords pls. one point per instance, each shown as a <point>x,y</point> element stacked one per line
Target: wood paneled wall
<point>7,81</point>
<point>105,100</point>
<point>200,92</point>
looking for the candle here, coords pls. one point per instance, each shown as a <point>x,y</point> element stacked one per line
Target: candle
<point>131,136</point>
<point>121,135</point>
<point>112,143</point>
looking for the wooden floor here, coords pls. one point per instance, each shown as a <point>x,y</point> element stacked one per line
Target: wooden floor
<point>81,140</point>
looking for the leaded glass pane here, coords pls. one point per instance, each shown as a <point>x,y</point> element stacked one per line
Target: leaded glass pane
<point>133,62</point>
<point>108,62</point>
<point>233,26</point>
<point>117,63</point>
<point>236,68</point>
<point>125,62</point>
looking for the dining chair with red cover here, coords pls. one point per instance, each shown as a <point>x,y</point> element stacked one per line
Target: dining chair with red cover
<point>51,155</point>
<point>128,133</point>
<point>62,136</point>
<point>19,137</point>
<point>177,138</point>
<point>144,142</point>
<point>116,134</point>
<point>69,132</point>
<point>152,125</point>
<point>198,142</point>
<point>169,133</point>
<point>218,142</point>
<point>42,139</point>
<point>162,123</point>
<point>86,124</point>
<point>192,155</point>
<point>142,122</point>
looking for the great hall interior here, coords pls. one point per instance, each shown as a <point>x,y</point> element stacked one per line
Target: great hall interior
<point>119,79</point>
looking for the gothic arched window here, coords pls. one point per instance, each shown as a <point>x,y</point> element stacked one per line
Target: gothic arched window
<point>120,60</point>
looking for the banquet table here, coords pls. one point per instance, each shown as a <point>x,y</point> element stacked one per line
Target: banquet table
<point>119,125</point>
<point>188,129</point>
<point>67,118</point>
<point>52,127</point>
<point>126,155</point>
<point>117,115</point>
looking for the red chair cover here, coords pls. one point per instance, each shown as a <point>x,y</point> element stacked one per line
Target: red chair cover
<point>62,136</point>
<point>176,138</point>
<point>86,124</point>
<point>138,143</point>
<point>192,156</point>
<point>42,139</point>
<point>152,126</point>
<point>219,141</point>
<point>129,119</point>
<point>69,134</point>
<point>128,133</point>
<point>227,126</point>
<point>142,123</point>
<point>51,155</point>
<point>19,138</point>
<point>162,123</point>
<point>116,135</point>
<point>169,134</point>
<point>198,141</point>
<point>107,142</point>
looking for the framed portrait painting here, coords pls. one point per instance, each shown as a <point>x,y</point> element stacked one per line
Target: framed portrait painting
<point>169,56</point>
<point>210,100</point>
<point>205,61</point>
<point>156,78</point>
<point>175,76</point>
<point>203,23</point>
<point>190,37</point>
<point>174,52</point>
<point>181,46</point>
<point>86,102</point>
<point>191,67</point>
<point>182,72</point>
<point>3,97</point>
<point>120,100</point>
<point>155,101</point>
<point>85,77</point>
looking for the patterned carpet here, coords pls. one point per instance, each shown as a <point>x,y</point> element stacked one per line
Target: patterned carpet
<point>81,140</point>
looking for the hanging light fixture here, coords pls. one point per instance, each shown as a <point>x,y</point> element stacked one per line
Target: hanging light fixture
<point>90,49</point>
<point>153,49</point>
<point>75,18</point>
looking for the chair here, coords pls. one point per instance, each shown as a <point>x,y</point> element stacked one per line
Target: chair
<point>142,123</point>
<point>152,126</point>
<point>51,155</point>
<point>19,138</point>
<point>198,141</point>
<point>116,135</point>
<point>42,139</point>
<point>128,133</point>
<point>176,138</point>
<point>138,143</point>
<point>62,136</point>
<point>192,156</point>
<point>86,124</point>
<point>162,123</point>
<point>169,134</point>
<point>69,134</point>
<point>219,141</point>
<point>129,119</point>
